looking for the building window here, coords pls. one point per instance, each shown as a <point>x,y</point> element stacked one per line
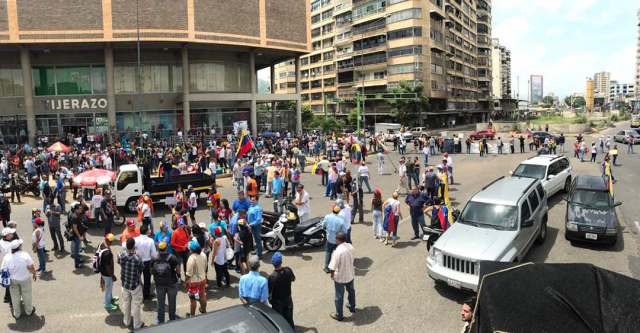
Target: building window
<point>11,83</point>
<point>73,80</point>
<point>404,33</point>
<point>315,5</point>
<point>229,77</point>
<point>437,69</point>
<point>435,85</point>
<point>125,79</point>
<point>155,78</point>
<point>403,51</point>
<point>68,80</point>
<point>379,75</point>
<point>407,14</point>
<point>405,68</point>
<point>98,80</point>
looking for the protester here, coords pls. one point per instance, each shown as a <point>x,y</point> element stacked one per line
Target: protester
<point>280,288</point>
<point>38,243</point>
<point>165,268</point>
<point>376,209</point>
<point>392,216</point>
<point>146,250</point>
<point>106,267</point>
<point>416,201</point>
<point>131,268</point>
<point>342,273</point>
<point>332,224</point>
<point>254,217</point>
<point>253,287</point>
<point>219,260</point>
<point>302,202</point>
<point>19,264</point>
<point>53,212</point>
<point>196,281</point>
<point>466,313</point>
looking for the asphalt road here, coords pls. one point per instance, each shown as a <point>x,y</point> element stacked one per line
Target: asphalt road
<point>394,294</point>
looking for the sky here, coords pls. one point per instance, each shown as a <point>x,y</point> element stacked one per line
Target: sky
<point>567,41</point>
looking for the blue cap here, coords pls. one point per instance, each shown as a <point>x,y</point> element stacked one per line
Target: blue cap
<point>194,245</point>
<point>276,259</point>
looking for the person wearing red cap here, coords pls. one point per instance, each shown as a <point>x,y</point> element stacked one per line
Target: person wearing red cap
<point>130,232</point>
<point>37,239</point>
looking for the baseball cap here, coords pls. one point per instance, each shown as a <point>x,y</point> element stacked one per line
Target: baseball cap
<point>276,259</point>
<point>16,243</point>
<point>162,246</point>
<point>110,237</point>
<point>336,209</point>
<point>8,231</point>
<point>38,221</point>
<point>218,231</point>
<point>194,245</point>
<point>131,223</point>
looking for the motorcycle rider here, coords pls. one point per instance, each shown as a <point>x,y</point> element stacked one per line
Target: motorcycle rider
<point>13,185</point>
<point>302,202</point>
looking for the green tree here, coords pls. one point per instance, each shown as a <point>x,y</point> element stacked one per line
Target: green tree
<point>352,118</point>
<point>307,114</point>
<point>409,111</point>
<point>548,100</point>
<point>328,124</point>
<point>577,101</point>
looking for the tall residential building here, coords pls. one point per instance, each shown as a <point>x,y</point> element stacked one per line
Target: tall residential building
<point>536,89</point>
<point>371,46</point>
<point>501,69</point>
<point>588,95</point>
<point>602,84</point>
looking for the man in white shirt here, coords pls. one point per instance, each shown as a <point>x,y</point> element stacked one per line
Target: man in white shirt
<point>192,202</point>
<point>19,264</point>
<point>107,162</point>
<point>144,207</point>
<point>402,174</point>
<point>302,202</point>
<point>342,274</point>
<point>146,250</point>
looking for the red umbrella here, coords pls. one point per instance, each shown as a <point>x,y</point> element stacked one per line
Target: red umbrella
<point>94,177</point>
<point>59,147</point>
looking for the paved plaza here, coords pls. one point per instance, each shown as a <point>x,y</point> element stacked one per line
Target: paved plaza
<point>394,293</point>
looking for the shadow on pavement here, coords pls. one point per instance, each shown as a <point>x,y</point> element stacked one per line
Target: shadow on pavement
<point>28,323</point>
<point>84,270</point>
<point>540,253</point>
<point>451,293</point>
<point>114,319</point>
<point>47,276</point>
<point>405,244</point>
<point>302,329</point>
<point>362,265</point>
<point>365,316</point>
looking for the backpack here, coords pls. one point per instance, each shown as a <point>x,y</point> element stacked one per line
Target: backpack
<point>163,274</point>
<point>96,260</point>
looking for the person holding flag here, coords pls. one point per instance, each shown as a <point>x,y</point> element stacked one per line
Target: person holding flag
<point>245,144</point>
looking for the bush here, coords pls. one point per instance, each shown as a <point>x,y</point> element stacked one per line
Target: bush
<point>580,120</point>
<point>614,117</point>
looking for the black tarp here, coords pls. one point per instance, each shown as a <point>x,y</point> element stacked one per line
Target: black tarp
<point>555,298</point>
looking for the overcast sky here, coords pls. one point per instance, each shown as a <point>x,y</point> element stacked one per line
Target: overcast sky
<point>567,40</point>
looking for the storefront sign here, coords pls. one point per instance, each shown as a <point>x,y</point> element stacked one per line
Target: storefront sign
<point>77,104</point>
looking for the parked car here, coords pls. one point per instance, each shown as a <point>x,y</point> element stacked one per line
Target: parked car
<point>418,131</point>
<point>541,136</point>
<point>591,214</point>
<point>477,135</point>
<point>499,223</point>
<point>622,136</point>
<point>554,172</point>
<point>254,318</point>
<point>635,121</point>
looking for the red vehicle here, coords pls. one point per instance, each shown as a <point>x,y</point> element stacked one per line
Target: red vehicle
<point>477,135</point>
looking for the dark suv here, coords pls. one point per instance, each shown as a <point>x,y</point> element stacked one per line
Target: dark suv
<point>591,215</point>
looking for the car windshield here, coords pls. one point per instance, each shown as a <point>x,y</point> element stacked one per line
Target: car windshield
<point>485,215</point>
<point>530,171</point>
<point>593,199</point>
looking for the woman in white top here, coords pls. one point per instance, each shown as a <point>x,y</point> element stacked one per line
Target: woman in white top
<point>219,259</point>
<point>392,228</point>
<point>38,242</point>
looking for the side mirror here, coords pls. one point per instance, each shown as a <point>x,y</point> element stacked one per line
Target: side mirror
<point>618,203</point>
<point>527,223</point>
<point>549,177</point>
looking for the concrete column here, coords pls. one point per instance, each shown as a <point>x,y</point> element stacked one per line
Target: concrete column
<point>298,98</point>
<point>27,81</point>
<point>111,95</point>
<point>186,106</point>
<point>254,88</point>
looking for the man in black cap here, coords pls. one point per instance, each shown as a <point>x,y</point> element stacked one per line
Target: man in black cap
<point>280,288</point>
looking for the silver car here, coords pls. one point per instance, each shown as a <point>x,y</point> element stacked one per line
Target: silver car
<point>499,223</point>
<point>623,136</point>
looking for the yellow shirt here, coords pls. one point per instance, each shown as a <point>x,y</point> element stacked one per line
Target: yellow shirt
<point>271,171</point>
<point>613,152</point>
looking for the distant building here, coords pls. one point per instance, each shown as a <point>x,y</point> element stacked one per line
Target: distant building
<point>536,89</point>
<point>501,70</point>
<point>618,92</point>
<point>638,64</point>
<point>588,95</point>
<point>601,84</point>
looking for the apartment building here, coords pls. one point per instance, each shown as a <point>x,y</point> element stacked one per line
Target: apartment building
<point>602,85</point>
<point>501,69</point>
<point>370,46</point>
<point>620,92</point>
<point>638,64</point>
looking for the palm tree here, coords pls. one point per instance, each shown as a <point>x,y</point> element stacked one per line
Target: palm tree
<point>409,110</point>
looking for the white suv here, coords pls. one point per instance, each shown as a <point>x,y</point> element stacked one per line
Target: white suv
<point>554,172</point>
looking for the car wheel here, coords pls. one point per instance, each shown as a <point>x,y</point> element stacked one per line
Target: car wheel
<point>542,235</point>
<point>567,185</point>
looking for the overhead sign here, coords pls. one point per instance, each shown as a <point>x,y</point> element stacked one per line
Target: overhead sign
<point>77,104</point>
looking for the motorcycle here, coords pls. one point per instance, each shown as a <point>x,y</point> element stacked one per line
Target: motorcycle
<point>288,226</point>
<point>28,184</point>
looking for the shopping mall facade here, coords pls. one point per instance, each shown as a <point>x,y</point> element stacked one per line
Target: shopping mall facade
<point>74,66</point>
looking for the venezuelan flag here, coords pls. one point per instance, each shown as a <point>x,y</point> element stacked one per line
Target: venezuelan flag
<point>244,145</point>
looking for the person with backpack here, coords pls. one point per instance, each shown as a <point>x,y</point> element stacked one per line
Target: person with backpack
<point>103,264</point>
<point>165,268</point>
<point>18,265</point>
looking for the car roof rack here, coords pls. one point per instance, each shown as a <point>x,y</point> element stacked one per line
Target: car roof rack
<point>486,186</point>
